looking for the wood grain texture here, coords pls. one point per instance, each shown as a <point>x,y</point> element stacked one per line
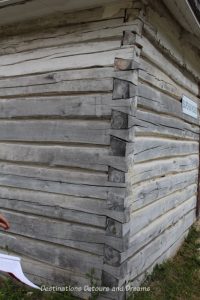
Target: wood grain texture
<point>161,125</point>
<point>64,257</point>
<point>163,164</point>
<point>162,168</point>
<point>161,187</point>
<point>53,230</point>
<point>174,42</point>
<point>88,132</point>
<point>136,265</point>
<point>86,32</point>
<point>81,106</point>
<point>174,72</point>
<point>144,217</point>
<point>96,157</point>
<point>162,103</point>
<point>62,61</point>
<point>150,148</point>
<point>58,156</point>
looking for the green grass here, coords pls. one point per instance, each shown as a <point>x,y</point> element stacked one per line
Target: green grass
<point>12,290</point>
<point>176,279</point>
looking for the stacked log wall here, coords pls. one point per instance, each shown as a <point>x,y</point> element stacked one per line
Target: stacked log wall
<point>162,181</point>
<point>98,164</point>
<point>64,105</point>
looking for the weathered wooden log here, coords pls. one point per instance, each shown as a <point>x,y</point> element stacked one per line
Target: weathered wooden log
<point>101,31</point>
<point>144,217</point>
<point>149,148</point>
<point>137,265</point>
<point>161,187</point>
<point>65,258</point>
<point>174,72</point>
<point>83,106</point>
<point>162,168</point>
<point>60,62</point>
<point>148,123</point>
<point>93,158</point>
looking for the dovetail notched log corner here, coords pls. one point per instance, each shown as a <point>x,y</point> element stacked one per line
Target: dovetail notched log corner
<point>97,158</point>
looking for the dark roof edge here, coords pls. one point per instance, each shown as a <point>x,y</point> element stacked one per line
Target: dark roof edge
<point>195,5</point>
<point>184,14</point>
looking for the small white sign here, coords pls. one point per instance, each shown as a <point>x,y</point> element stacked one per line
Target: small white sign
<point>189,107</point>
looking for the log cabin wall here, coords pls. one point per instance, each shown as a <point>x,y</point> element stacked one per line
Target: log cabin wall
<point>65,85</point>
<point>98,164</point>
<point>162,180</point>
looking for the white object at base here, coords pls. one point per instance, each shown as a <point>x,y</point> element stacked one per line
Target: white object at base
<point>12,264</point>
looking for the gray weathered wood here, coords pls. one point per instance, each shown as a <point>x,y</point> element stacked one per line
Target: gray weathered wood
<point>82,209</point>
<point>149,148</point>
<point>122,89</point>
<point>97,105</point>
<point>161,187</point>
<point>64,82</point>
<point>174,72</point>
<point>155,100</point>
<point>58,187</point>
<point>115,175</point>
<point>53,230</point>
<point>67,175</point>
<point>64,257</point>
<point>144,217</point>
<point>82,157</point>
<point>103,30</point>
<point>126,64</point>
<point>138,264</point>
<point>148,123</point>
<point>62,61</point>
<point>118,146</point>
<point>72,131</point>
<point>161,168</point>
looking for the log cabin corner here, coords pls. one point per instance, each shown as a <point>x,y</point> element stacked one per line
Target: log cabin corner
<point>99,158</point>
